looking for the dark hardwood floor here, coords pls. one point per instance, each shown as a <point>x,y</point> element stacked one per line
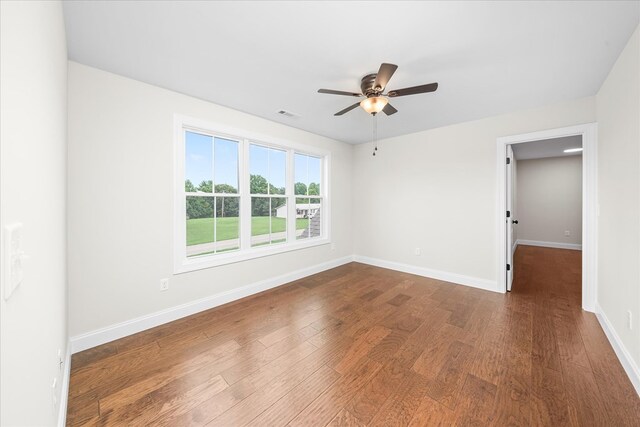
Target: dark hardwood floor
<point>360,345</point>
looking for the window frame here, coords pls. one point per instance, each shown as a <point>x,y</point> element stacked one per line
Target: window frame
<point>182,263</point>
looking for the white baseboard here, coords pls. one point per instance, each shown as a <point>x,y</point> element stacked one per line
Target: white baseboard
<point>64,389</point>
<point>572,246</point>
<point>133,326</point>
<point>629,365</point>
<point>474,282</point>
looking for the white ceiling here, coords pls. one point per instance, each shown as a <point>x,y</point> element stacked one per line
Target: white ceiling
<point>553,147</point>
<point>261,57</point>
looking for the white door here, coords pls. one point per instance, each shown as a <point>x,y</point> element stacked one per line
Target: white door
<point>509,216</point>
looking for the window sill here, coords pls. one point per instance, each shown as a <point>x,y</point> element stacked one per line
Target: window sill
<point>209,261</point>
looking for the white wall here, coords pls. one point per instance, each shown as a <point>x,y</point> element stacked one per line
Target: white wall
<point>121,201</point>
<point>550,200</point>
<point>437,190</point>
<point>33,105</point>
<point>618,109</point>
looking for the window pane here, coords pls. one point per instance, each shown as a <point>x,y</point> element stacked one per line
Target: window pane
<point>259,167</point>
<point>268,170</point>
<point>200,229</point>
<point>277,171</point>
<point>225,166</point>
<point>308,219</point>
<point>278,220</point>
<point>315,218</point>
<point>301,175</point>
<point>268,220</point>
<point>204,236</point>
<point>314,176</point>
<point>260,224</point>
<point>227,224</point>
<point>302,218</point>
<point>198,168</point>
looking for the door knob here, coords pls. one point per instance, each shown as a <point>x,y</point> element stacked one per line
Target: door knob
<point>514,221</point>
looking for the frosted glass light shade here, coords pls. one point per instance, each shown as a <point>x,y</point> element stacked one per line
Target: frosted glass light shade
<point>374,104</point>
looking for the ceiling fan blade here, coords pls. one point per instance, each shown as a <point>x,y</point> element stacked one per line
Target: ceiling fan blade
<point>346,110</point>
<point>389,110</point>
<point>431,87</point>
<point>384,75</point>
<point>338,92</point>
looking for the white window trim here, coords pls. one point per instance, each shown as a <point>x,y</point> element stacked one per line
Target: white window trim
<point>182,264</point>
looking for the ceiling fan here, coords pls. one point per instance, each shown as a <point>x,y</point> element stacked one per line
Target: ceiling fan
<point>373,86</point>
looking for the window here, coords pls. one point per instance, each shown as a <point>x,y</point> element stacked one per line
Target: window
<point>307,183</point>
<point>212,209</point>
<point>241,196</point>
<point>267,186</point>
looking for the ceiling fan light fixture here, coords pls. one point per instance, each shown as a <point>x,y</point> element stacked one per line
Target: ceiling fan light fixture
<point>374,105</point>
<point>372,86</point>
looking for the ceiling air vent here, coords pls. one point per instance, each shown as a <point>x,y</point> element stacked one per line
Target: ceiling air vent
<point>288,113</point>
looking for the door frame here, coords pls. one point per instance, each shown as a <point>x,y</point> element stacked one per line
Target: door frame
<point>589,133</point>
<point>509,206</point>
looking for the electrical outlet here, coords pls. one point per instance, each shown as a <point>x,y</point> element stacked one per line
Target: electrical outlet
<point>417,252</point>
<point>567,233</point>
<point>164,284</point>
<point>629,319</point>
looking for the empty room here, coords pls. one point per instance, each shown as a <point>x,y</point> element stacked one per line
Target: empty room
<point>319,213</point>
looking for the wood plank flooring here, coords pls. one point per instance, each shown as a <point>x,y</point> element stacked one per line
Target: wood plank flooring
<point>360,345</point>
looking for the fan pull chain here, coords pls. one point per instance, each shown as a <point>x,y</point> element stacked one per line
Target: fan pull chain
<point>375,134</point>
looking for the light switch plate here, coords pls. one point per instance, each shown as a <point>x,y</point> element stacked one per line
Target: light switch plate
<point>13,258</point>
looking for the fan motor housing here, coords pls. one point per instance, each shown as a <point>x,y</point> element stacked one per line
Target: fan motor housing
<point>367,85</point>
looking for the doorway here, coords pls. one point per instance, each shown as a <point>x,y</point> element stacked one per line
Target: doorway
<point>544,199</point>
<point>505,221</point>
